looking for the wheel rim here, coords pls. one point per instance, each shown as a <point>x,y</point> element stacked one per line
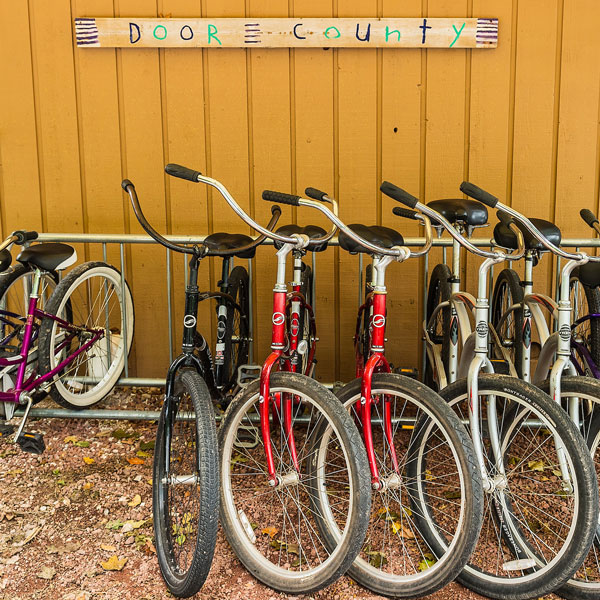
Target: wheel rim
<point>277,525</point>
<point>395,547</point>
<point>529,459</point>
<point>507,332</point>
<point>93,301</point>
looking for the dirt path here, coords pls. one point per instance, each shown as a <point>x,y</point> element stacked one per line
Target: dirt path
<point>85,506</point>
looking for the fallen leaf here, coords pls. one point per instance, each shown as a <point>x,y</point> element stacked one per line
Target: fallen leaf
<point>142,454</point>
<point>131,525</point>
<point>270,531</point>
<point>108,547</point>
<point>135,461</point>
<point>147,445</point>
<point>82,444</point>
<point>428,561</point>
<point>88,461</point>
<point>377,559</point>
<point>88,485</point>
<point>135,501</point>
<point>536,465</point>
<point>114,563</point>
<point>46,573</point>
<point>114,524</point>
<point>405,532</point>
<point>71,438</point>
<point>63,549</point>
<point>121,434</point>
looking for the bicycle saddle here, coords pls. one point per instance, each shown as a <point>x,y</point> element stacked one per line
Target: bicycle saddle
<point>5,260</point>
<point>48,257</point>
<point>504,237</point>
<point>588,274</point>
<point>376,234</point>
<point>463,211</point>
<point>230,241</point>
<point>312,231</point>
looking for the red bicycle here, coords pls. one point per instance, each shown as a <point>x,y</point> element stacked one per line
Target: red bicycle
<point>268,467</point>
<point>399,556</point>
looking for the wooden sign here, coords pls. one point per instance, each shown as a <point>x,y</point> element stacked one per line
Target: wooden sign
<point>287,33</point>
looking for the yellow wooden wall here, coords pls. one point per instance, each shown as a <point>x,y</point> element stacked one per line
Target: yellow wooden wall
<point>520,120</point>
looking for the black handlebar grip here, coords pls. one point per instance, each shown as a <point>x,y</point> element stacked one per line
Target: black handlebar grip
<point>404,212</point>
<point>271,196</point>
<point>398,194</point>
<point>588,216</point>
<point>182,172</point>
<point>314,193</point>
<point>24,236</point>
<point>473,191</point>
<point>126,183</point>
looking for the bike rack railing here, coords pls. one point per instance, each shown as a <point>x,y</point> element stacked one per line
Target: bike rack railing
<point>121,240</point>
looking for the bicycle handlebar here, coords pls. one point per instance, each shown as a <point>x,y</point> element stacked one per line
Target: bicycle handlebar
<point>470,189</point>
<point>590,218</point>
<point>128,186</point>
<point>182,172</point>
<point>402,196</point>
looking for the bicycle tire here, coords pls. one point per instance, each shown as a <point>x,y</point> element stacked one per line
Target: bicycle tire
<point>585,584</point>
<point>407,566</point>
<point>579,506</point>
<point>256,517</point>
<point>588,331</point>
<point>364,332</point>
<point>83,291</point>
<point>438,291</point>
<point>176,523</point>
<point>508,291</point>
<point>237,341</point>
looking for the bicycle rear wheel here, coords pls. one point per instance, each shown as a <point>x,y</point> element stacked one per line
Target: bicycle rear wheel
<point>396,558</point>
<point>537,529</point>
<point>185,484</point>
<point>92,298</point>
<point>439,291</point>
<point>273,529</point>
<point>585,300</point>
<point>507,292</point>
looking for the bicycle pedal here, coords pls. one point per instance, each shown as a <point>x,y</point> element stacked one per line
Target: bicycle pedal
<point>247,374</point>
<point>6,430</point>
<point>31,442</point>
<point>501,366</point>
<point>407,372</point>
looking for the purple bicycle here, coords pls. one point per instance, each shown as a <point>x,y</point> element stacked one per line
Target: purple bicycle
<point>71,344</point>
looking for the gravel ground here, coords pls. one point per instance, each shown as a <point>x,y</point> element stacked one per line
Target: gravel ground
<point>75,523</point>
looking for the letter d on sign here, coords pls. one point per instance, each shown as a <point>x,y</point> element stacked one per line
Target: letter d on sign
<point>134,29</point>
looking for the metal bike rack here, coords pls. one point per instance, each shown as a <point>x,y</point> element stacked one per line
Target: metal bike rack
<point>121,240</point>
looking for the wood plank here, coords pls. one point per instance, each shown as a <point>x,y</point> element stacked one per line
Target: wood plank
<point>183,118</point>
<point>577,160</point>
<point>401,89</point>
<point>313,124</point>
<point>357,170</point>
<point>141,128</point>
<point>19,181</point>
<point>137,32</point>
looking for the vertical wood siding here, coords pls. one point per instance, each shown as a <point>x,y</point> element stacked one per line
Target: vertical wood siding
<point>521,120</point>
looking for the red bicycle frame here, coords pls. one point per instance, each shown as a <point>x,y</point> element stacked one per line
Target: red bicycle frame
<point>375,303</point>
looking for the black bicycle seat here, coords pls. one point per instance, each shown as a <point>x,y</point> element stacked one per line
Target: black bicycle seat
<point>48,257</point>
<point>376,234</point>
<point>5,260</point>
<point>461,211</point>
<point>230,241</point>
<point>588,274</point>
<point>505,238</point>
<point>312,231</point>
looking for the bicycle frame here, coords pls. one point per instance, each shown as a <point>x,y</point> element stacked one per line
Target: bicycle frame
<point>295,304</point>
<point>23,386</point>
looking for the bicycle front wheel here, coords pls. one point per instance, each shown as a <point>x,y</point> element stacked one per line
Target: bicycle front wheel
<point>94,301</point>
<point>396,558</point>
<point>541,510</point>
<point>185,484</point>
<point>273,529</point>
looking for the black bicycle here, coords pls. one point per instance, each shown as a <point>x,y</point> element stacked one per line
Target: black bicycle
<point>185,484</point>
